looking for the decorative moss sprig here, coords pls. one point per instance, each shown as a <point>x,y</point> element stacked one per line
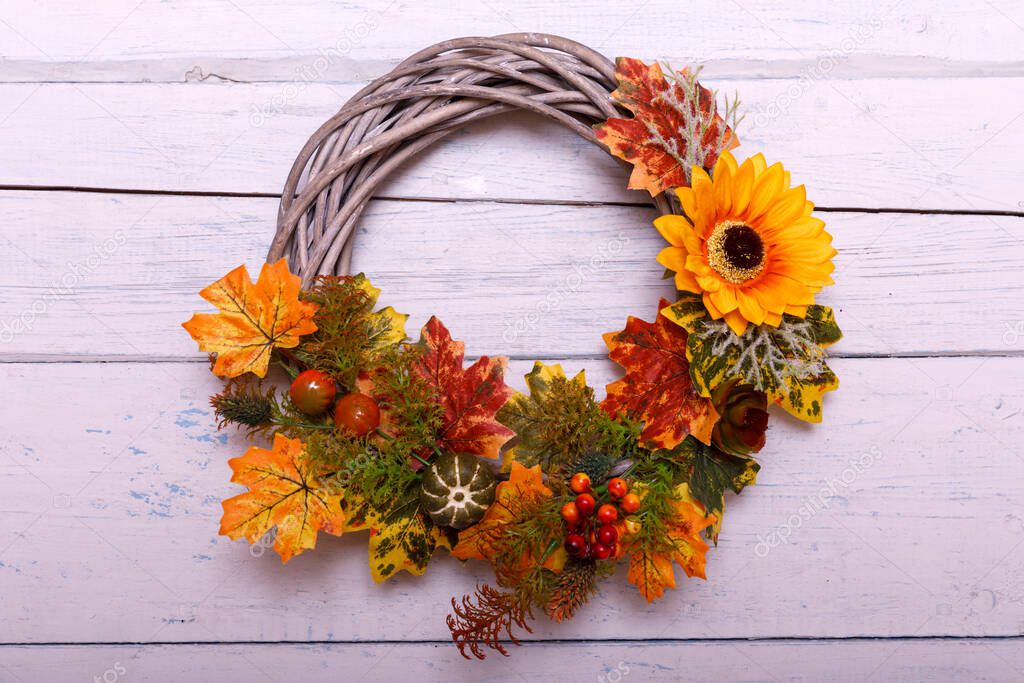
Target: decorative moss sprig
<point>351,337</point>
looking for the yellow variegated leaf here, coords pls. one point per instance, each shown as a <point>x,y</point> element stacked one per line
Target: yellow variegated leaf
<point>786,362</point>
<point>403,539</point>
<point>386,326</point>
<point>359,516</point>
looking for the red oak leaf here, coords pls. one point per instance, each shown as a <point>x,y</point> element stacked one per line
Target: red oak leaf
<point>657,387</point>
<point>471,397</point>
<point>671,131</point>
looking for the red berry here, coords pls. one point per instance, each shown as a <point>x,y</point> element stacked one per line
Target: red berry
<point>357,413</point>
<point>586,504</point>
<point>630,503</point>
<point>607,535</point>
<point>617,487</point>
<point>580,483</point>
<point>606,514</point>
<point>312,392</point>
<point>571,514</point>
<point>601,552</point>
<point>575,545</point>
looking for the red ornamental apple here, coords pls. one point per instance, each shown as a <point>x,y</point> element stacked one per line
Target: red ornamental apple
<point>357,413</point>
<point>312,392</point>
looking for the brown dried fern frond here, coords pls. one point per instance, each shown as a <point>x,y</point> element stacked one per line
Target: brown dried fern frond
<point>482,624</point>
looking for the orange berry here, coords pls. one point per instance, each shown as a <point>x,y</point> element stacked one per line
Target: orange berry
<point>571,514</point>
<point>580,483</point>
<point>617,487</point>
<point>630,503</point>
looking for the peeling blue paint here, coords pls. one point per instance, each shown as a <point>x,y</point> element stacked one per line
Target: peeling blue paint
<point>178,490</point>
<point>210,438</point>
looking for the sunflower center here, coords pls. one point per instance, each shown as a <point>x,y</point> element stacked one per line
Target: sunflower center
<point>736,252</point>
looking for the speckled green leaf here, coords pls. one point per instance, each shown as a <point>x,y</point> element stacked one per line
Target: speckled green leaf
<point>403,539</point>
<point>786,362</point>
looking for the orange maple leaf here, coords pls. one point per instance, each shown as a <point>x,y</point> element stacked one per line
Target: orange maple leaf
<point>512,502</point>
<point>657,387</point>
<point>254,319</point>
<point>666,118</point>
<point>471,397</point>
<point>283,493</point>
<point>651,570</point>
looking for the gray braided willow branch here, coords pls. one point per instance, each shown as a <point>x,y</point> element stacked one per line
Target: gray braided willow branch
<point>425,98</point>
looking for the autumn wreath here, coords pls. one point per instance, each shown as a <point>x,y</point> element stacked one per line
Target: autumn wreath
<point>553,487</point>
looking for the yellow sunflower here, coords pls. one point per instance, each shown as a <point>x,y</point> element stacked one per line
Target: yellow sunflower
<point>750,247</point>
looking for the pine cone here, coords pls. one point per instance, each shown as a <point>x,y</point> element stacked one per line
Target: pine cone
<point>595,464</point>
<point>244,406</point>
<point>744,418</point>
<point>575,584</point>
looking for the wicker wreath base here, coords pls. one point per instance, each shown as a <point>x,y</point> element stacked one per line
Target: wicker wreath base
<point>553,487</point>
<point>425,98</point>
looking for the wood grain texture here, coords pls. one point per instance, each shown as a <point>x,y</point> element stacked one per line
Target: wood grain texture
<point>844,661</point>
<point>128,40</point>
<point>882,524</point>
<point>916,144</point>
<point>108,276</point>
<point>882,545</point>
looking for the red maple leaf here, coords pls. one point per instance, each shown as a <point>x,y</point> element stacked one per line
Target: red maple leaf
<point>666,118</point>
<point>657,387</point>
<point>471,397</point>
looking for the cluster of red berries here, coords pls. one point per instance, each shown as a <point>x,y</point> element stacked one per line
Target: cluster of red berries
<point>313,392</point>
<point>592,531</point>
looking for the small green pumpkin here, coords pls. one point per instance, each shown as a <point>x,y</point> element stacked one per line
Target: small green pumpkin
<point>457,490</point>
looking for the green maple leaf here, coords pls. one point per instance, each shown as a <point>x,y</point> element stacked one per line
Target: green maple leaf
<point>710,473</point>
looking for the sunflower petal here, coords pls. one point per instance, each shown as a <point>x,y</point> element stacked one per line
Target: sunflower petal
<point>749,307</point>
<point>767,192</point>
<point>671,228</point>
<point>673,258</point>
<point>736,322</point>
<point>725,298</point>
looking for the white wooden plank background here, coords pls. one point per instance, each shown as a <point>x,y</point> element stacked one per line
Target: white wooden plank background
<point>117,119</point>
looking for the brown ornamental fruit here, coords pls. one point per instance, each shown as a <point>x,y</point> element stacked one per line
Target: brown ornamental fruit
<point>457,490</point>
<point>744,418</point>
